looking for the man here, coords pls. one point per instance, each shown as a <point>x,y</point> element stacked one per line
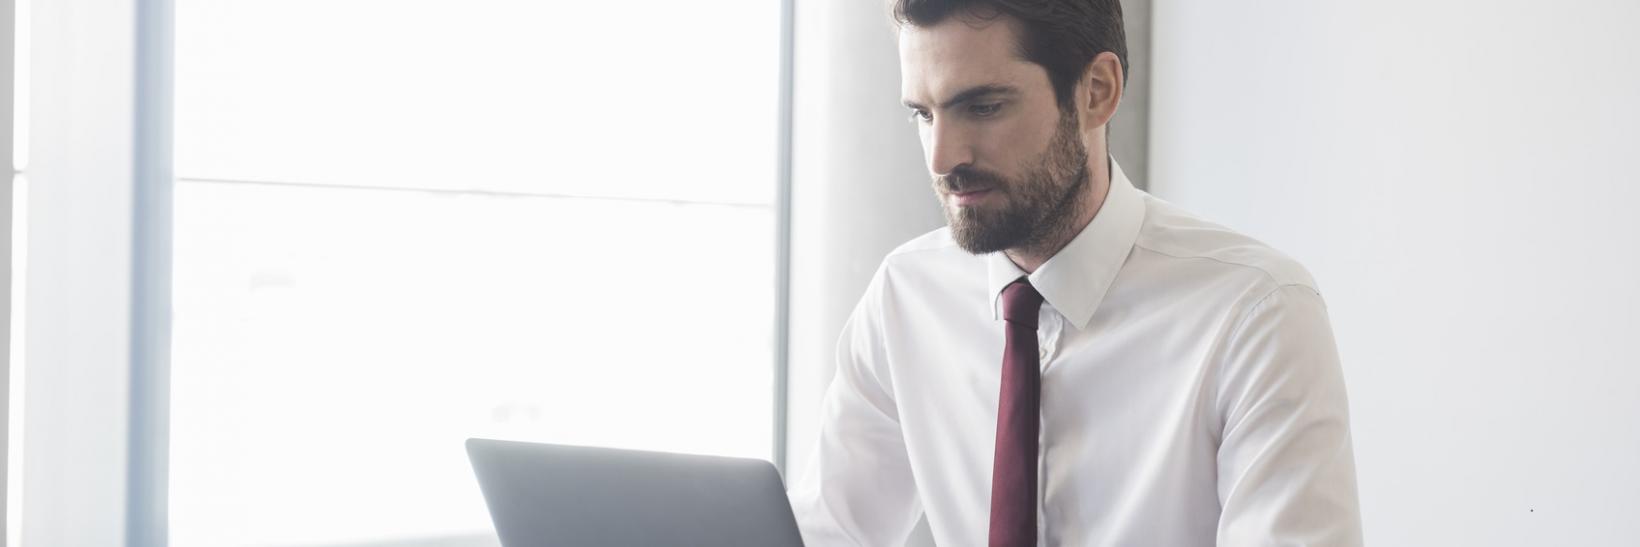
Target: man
<point>1071,361</point>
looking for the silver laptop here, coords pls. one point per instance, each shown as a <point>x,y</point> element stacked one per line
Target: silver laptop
<point>543,495</point>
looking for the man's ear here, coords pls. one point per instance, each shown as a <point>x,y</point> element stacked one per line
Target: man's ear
<point>1100,90</point>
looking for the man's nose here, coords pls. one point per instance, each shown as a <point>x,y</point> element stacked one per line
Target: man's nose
<point>947,147</point>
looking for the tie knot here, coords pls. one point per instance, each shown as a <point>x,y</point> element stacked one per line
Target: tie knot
<point>1020,303</point>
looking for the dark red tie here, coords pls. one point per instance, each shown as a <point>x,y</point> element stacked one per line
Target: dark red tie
<point>1013,470</point>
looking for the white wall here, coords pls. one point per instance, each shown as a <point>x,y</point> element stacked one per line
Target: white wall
<point>1459,176</point>
<point>858,190</point>
<point>858,186</point>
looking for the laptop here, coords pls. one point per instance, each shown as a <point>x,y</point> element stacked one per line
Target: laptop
<point>544,495</point>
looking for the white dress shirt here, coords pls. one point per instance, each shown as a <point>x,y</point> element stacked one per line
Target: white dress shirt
<point>1191,394</point>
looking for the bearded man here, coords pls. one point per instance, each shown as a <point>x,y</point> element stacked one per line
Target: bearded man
<point>1071,361</point>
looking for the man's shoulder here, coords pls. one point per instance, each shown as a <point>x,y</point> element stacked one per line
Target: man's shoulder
<point>1173,234</point>
<point>933,241</point>
<point>929,252</point>
<point>932,254</point>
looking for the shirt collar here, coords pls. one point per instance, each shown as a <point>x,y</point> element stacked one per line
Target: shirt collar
<point>1075,279</point>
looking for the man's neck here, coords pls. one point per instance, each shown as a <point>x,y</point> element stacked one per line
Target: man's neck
<point>1032,257</point>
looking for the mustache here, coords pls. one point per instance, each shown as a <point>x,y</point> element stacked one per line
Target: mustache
<point>963,179</point>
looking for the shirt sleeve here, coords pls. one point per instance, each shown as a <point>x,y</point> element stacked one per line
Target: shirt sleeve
<point>857,489</point>
<point>1286,466</point>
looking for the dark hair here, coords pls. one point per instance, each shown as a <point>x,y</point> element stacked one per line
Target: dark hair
<point>1063,36</point>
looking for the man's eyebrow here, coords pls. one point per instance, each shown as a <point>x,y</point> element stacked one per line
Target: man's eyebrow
<point>969,95</point>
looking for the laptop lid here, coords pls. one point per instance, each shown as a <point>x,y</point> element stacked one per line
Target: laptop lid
<point>543,495</point>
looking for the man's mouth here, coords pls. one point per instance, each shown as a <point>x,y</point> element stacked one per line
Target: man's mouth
<point>970,197</point>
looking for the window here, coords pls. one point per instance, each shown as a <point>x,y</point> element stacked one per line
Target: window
<point>402,224</point>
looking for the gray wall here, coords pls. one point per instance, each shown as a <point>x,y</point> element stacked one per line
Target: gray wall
<point>859,185</point>
<point>1130,129</point>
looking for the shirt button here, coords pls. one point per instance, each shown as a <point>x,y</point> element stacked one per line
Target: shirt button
<point>1043,354</point>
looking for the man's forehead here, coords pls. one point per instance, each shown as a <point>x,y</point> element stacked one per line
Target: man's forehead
<point>958,53</point>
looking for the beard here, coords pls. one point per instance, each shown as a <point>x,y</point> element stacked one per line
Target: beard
<point>1039,209</point>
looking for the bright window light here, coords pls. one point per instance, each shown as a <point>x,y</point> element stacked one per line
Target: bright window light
<point>403,224</point>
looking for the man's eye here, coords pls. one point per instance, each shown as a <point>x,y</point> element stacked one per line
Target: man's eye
<point>983,110</point>
<point>921,116</point>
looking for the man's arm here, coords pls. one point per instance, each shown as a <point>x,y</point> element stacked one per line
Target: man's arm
<point>1286,467</point>
<point>857,489</point>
